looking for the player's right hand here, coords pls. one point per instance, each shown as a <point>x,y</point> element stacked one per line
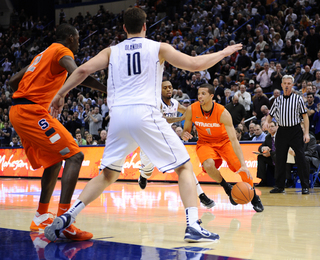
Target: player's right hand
<point>186,136</point>
<point>231,49</point>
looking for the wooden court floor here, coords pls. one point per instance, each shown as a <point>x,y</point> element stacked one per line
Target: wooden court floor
<point>129,223</point>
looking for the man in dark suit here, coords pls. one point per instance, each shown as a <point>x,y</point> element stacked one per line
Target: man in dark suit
<point>218,91</point>
<point>268,157</point>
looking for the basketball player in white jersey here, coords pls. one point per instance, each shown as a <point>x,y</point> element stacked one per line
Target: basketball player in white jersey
<point>169,108</point>
<point>134,95</point>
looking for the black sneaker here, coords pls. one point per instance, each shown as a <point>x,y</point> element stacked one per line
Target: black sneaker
<point>257,204</point>
<point>208,203</point>
<point>228,191</point>
<point>142,182</point>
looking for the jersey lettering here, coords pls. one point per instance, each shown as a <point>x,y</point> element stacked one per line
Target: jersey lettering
<point>136,64</point>
<point>32,67</point>
<point>43,124</point>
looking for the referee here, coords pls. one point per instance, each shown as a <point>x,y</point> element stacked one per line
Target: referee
<point>287,109</point>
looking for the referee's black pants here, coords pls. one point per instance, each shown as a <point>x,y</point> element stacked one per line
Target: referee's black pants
<point>290,137</point>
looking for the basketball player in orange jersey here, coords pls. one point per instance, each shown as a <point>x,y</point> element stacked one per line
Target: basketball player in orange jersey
<point>45,140</point>
<point>217,141</point>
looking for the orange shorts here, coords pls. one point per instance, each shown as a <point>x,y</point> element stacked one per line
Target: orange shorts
<point>45,140</point>
<point>219,152</point>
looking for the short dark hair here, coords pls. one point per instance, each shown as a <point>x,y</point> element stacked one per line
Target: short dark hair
<point>274,122</point>
<point>209,87</point>
<point>64,30</point>
<point>310,94</point>
<point>134,18</point>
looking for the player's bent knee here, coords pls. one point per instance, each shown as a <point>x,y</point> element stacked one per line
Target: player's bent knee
<point>78,157</point>
<point>209,165</point>
<point>111,175</point>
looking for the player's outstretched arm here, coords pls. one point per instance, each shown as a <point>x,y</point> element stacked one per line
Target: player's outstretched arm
<point>98,62</point>
<point>186,62</point>
<point>187,125</point>
<point>182,109</point>
<point>69,64</point>
<point>226,119</point>
<point>15,80</point>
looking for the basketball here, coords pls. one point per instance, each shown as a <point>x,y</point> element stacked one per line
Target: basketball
<point>242,193</point>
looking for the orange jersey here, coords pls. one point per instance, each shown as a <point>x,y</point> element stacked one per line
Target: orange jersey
<point>209,127</point>
<point>45,76</point>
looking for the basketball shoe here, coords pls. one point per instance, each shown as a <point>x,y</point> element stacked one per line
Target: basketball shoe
<point>256,203</point>
<point>228,189</point>
<point>41,221</point>
<point>194,235</point>
<point>142,182</point>
<point>62,227</point>
<point>208,203</point>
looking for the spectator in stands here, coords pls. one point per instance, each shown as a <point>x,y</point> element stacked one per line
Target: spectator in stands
<point>262,60</point>
<point>316,82</point>
<point>298,51</point>
<point>316,64</point>
<point>103,137</point>
<point>73,122</point>
<point>5,135</point>
<point>192,87</point>
<point>259,100</point>
<point>236,111</point>
<point>180,96</point>
<point>290,68</point>
<point>95,122</point>
<point>311,109</point>
<point>244,63</point>
<point>268,156</point>
<point>264,77</point>
<point>312,44</point>
<point>259,135</point>
<point>276,77</point>
<point>261,42</point>
<point>276,93</point>
<point>297,75</point>
<point>277,44</point>
<point>90,140</point>
<point>80,140</point>
<point>15,142</point>
<point>218,91</point>
<point>287,51</point>
<point>291,14</point>
<point>244,98</point>
<point>305,76</point>
<point>250,46</point>
<point>251,87</point>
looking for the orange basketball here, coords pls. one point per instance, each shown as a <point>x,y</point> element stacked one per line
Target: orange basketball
<point>242,193</point>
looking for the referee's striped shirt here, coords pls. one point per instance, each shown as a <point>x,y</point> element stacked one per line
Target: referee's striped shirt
<point>287,110</point>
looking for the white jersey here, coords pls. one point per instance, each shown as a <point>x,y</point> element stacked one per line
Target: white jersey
<point>135,73</point>
<point>170,111</point>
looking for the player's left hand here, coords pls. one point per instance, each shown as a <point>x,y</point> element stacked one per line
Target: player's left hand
<point>56,105</point>
<point>246,170</point>
<point>186,136</point>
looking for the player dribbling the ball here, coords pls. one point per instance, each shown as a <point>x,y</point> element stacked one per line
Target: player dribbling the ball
<point>217,141</point>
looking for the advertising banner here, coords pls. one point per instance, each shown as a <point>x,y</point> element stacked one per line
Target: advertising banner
<point>14,162</point>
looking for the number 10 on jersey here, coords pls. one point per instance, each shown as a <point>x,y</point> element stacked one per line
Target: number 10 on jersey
<point>134,64</point>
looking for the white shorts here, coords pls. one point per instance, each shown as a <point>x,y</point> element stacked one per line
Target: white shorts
<point>142,125</point>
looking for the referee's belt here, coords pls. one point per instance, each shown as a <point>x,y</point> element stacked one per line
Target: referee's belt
<point>22,101</point>
<point>289,126</point>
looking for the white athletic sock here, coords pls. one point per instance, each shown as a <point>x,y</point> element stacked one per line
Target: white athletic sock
<point>76,208</point>
<point>192,217</point>
<point>199,190</point>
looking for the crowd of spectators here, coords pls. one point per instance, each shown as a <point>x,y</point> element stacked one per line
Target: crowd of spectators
<point>279,38</point>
